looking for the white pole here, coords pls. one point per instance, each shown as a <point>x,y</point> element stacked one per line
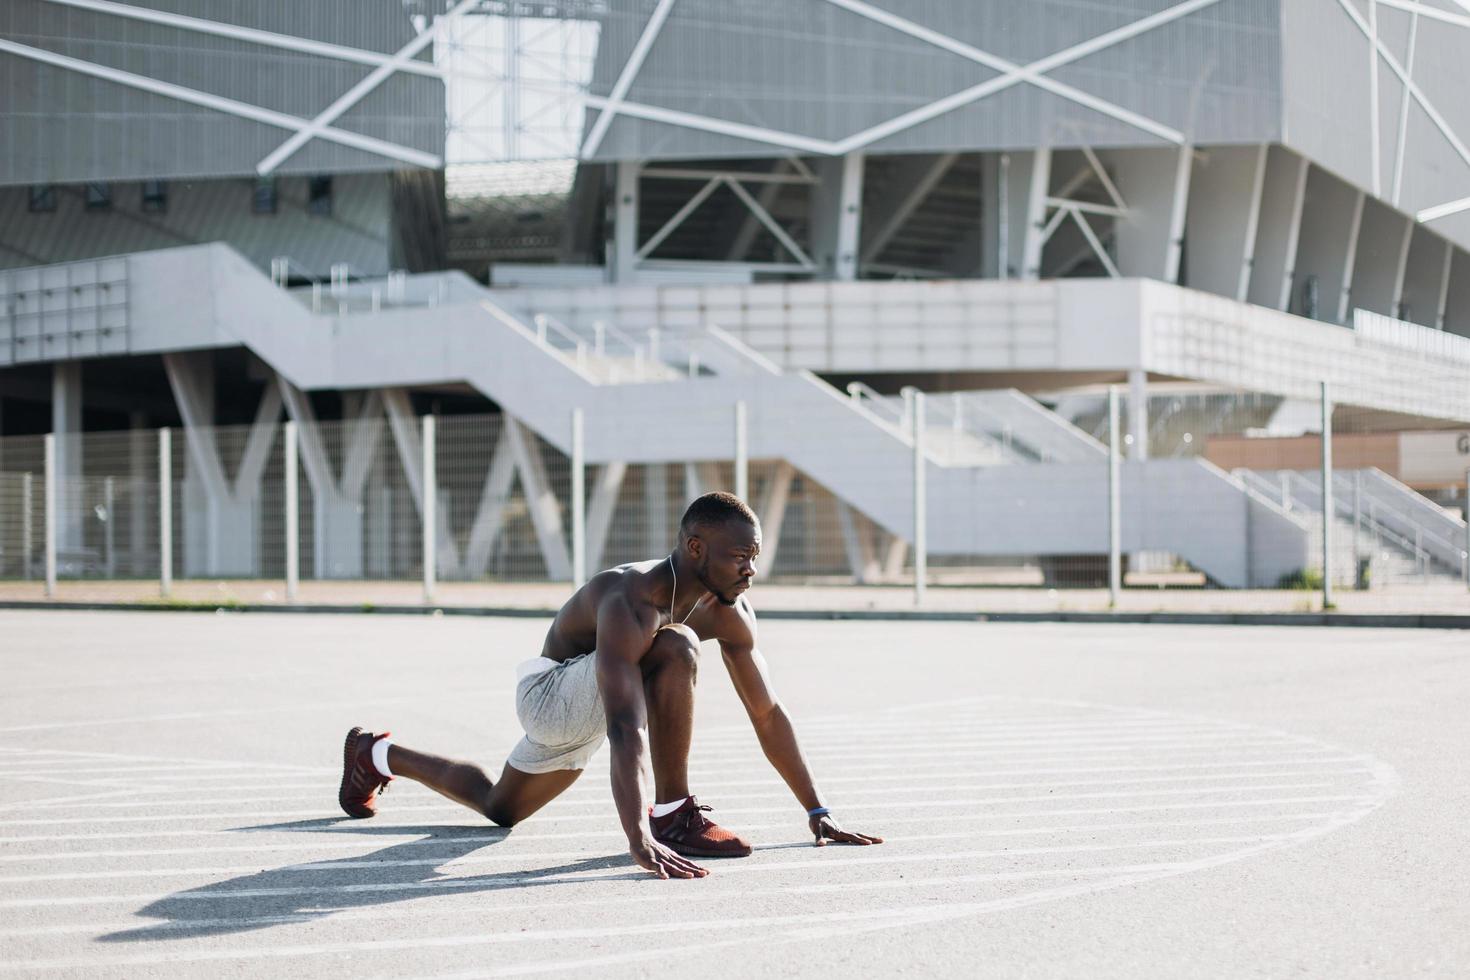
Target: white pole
<point>742,452</point>
<point>109,527</point>
<point>293,514</point>
<point>579,502</point>
<point>431,518</point>
<point>27,522</point>
<point>50,525</point>
<point>1327,508</point>
<point>1467,529</point>
<point>165,513</point>
<point>1115,501</point>
<point>921,517</point>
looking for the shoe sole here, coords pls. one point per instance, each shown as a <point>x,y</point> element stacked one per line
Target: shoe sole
<point>349,761</point>
<point>700,852</point>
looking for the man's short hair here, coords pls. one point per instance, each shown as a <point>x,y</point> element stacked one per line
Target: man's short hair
<point>715,510</point>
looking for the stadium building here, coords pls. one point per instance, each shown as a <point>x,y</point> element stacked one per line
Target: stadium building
<point>806,234</point>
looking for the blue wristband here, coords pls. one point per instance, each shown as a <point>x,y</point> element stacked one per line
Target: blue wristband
<point>818,811</point>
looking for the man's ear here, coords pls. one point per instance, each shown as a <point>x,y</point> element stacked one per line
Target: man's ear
<point>694,547</point>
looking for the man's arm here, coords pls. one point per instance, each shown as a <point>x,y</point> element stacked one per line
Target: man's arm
<point>773,727</point>
<point>621,643</point>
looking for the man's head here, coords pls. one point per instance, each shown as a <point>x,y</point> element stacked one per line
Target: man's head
<point>719,537</point>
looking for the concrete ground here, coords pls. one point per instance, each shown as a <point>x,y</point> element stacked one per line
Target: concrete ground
<point>1059,800</point>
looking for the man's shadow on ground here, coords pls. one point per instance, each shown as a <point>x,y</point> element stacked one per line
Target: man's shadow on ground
<point>315,889</point>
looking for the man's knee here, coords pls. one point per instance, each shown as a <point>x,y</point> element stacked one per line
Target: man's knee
<point>502,815</point>
<point>675,646</point>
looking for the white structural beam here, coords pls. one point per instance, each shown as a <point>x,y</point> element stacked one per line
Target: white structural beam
<point>232,107</point>
<point>1282,191</point>
<point>490,514</point>
<point>836,217</point>
<point>1034,73</point>
<point>1402,142</point>
<point>1355,228</point>
<point>364,434</point>
<point>931,172</point>
<point>270,39</point>
<point>544,508</point>
<point>258,444</point>
<point>1155,182</point>
<point>848,223</point>
<point>601,504</point>
<point>1325,252</point>
<point>1435,116</point>
<point>857,541</point>
<point>66,435</point>
<point>1013,73</point>
<point>771,189</point>
<point>1444,286</point>
<point>197,410</point>
<point>356,94</point>
<point>1035,233</point>
<point>1224,208</point>
<point>625,79</point>
<point>624,255</point>
<point>772,512</point>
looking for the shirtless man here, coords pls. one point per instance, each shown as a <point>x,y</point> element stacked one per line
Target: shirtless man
<point>620,661</point>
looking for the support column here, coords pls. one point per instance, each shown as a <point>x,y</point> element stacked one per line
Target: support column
<point>655,507</point>
<point>1282,200</point>
<point>1380,262</point>
<point>1031,191</point>
<point>1115,501</point>
<point>1325,251</point>
<point>1155,183</point>
<point>66,426</point>
<point>837,216</point>
<point>742,452</point>
<point>1224,204</point>
<point>772,513</point>
<point>1138,413</point>
<point>140,478</point>
<point>622,258</point>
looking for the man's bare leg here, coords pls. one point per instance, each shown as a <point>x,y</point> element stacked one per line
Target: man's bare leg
<point>508,801</point>
<point>670,669</point>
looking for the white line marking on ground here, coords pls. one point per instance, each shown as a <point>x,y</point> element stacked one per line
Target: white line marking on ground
<point>563,877</point>
<point>366,842</point>
<point>599,796</point>
<point>848,805</point>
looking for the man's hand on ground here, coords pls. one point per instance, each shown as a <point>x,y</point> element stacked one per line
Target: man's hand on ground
<point>825,829</point>
<point>652,855</point>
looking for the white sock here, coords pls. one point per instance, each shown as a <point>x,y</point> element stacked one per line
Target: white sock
<point>664,809</point>
<point>380,756</point>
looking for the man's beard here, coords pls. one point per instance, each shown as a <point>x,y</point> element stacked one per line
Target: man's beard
<point>702,573</point>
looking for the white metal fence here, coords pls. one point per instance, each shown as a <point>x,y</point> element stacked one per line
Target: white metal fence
<point>355,499</point>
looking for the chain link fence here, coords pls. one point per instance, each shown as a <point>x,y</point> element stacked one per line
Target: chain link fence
<point>1186,490</point>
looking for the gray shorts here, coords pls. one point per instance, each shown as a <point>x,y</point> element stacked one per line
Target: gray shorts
<point>560,707</point>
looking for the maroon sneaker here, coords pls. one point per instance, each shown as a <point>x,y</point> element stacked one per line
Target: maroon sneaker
<point>687,832</point>
<point>361,781</point>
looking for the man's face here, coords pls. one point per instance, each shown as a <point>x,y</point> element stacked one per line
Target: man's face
<point>726,564</point>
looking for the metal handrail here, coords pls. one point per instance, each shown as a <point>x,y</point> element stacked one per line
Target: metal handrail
<point>1311,494</point>
<point>545,323</point>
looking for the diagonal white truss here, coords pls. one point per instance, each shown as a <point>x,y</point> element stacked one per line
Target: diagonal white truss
<point>230,106</point>
<point>1376,45</point>
<point>287,42</point>
<point>1033,73</point>
<point>732,180</point>
<point>303,130</point>
<point>357,93</point>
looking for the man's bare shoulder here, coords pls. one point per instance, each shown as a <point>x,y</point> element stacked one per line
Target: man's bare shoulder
<point>732,625</point>
<point>631,583</point>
